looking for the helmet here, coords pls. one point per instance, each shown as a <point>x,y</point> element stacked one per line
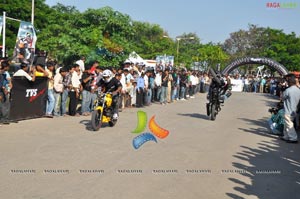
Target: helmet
<point>107,75</point>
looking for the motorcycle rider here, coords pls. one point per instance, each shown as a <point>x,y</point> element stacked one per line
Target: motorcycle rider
<point>109,83</point>
<point>217,85</point>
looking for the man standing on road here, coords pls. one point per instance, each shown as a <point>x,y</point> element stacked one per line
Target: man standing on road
<point>291,98</point>
<point>5,86</point>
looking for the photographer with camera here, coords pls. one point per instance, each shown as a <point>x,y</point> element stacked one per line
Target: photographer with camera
<point>276,122</point>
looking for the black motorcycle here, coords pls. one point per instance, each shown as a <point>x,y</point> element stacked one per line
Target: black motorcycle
<point>215,96</point>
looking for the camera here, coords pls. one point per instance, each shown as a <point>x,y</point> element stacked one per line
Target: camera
<point>275,110</point>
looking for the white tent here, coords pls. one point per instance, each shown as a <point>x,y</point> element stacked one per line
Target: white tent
<point>134,58</point>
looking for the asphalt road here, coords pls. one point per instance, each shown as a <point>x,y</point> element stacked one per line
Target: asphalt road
<point>232,157</point>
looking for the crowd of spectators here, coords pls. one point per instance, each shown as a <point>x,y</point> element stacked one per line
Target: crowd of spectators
<point>73,89</point>
<point>272,85</point>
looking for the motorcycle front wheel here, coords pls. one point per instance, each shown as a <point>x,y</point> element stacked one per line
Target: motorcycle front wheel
<point>96,120</point>
<point>213,112</point>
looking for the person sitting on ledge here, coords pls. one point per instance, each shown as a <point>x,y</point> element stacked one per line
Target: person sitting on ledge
<point>23,72</point>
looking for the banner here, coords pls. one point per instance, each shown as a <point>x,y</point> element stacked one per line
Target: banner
<point>25,44</point>
<point>237,85</point>
<point>169,61</point>
<point>160,60</point>
<point>165,61</point>
<point>28,98</point>
<point>1,25</point>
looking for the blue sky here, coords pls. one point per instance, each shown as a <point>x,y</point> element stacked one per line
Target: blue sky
<point>211,20</point>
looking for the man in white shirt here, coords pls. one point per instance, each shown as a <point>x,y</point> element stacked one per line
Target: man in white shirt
<point>81,64</point>
<point>157,82</point>
<point>128,87</point>
<point>75,91</point>
<point>246,84</point>
<point>58,90</point>
<point>193,80</point>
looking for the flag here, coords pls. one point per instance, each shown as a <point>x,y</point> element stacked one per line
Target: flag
<point>1,24</point>
<point>25,44</point>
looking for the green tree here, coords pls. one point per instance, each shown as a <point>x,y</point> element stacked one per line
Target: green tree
<point>212,54</point>
<point>187,49</point>
<point>265,42</point>
<point>150,40</point>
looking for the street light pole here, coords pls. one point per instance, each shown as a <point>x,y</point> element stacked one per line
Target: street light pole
<point>178,39</point>
<point>3,37</point>
<point>32,12</point>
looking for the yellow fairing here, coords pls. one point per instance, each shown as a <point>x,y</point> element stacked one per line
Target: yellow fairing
<point>105,119</point>
<point>99,108</point>
<point>108,100</point>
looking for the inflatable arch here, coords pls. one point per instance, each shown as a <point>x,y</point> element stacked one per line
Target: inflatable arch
<point>250,60</point>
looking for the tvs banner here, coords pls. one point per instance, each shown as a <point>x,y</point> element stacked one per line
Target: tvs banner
<point>25,45</point>
<point>28,98</point>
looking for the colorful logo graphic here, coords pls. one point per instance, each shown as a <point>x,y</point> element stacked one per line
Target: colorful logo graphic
<point>145,137</point>
<point>282,5</point>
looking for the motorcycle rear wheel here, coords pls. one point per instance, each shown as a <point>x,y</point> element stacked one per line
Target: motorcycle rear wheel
<point>208,109</point>
<point>213,112</point>
<point>96,120</point>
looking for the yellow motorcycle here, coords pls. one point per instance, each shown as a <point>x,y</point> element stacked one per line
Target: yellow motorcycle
<point>103,111</point>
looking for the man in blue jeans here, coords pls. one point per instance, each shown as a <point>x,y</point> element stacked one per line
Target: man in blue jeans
<point>175,85</point>
<point>67,85</point>
<point>5,86</point>
<point>86,82</point>
<point>140,88</point>
<point>164,87</point>
<point>51,99</point>
<point>58,90</point>
<point>158,85</point>
<point>183,83</point>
